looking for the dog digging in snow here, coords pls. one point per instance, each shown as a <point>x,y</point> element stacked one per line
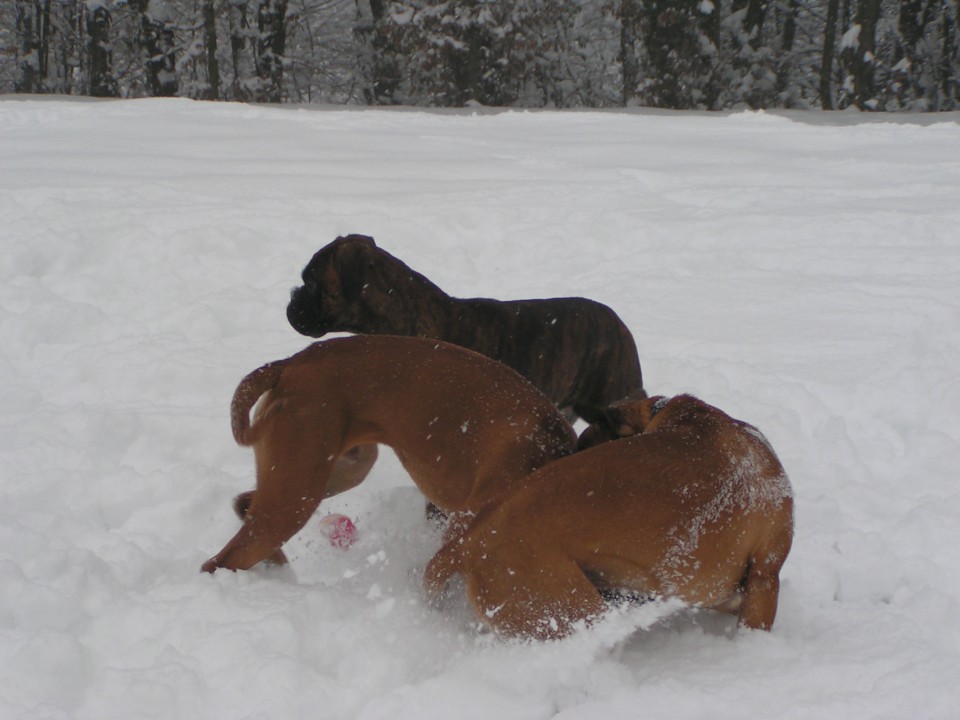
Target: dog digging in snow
<point>576,351</point>
<point>465,428</point>
<point>689,504</point>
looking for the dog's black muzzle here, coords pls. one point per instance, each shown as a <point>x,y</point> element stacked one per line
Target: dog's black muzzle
<point>301,315</point>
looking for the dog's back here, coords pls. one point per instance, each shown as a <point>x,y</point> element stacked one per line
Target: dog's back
<point>705,487</point>
<point>697,507</point>
<point>577,351</point>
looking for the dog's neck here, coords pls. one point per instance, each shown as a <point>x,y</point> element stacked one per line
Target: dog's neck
<point>408,303</point>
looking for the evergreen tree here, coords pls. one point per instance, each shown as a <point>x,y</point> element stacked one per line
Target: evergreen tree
<point>100,53</point>
<point>680,39</point>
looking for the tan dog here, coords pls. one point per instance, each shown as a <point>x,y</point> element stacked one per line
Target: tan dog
<point>696,507</point>
<point>465,427</point>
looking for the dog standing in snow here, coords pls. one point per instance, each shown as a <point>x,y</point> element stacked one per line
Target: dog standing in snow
<point>576,351</point>
<point>466,429</point>
<point>694,505</point>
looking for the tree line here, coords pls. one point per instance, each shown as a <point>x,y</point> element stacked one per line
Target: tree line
<point>685,54</point>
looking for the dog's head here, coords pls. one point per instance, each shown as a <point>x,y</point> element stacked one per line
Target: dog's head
<point>332,295</point>
<point>622,419</point>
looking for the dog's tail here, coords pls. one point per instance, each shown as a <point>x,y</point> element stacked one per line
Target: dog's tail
<point>245,397</point>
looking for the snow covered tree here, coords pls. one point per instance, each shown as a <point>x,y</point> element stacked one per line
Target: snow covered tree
<point>872,54</point>
<point>924,56</point>
<point>751,74</point>
<point>446,53</point>
<point>861,46</point>
<point>241,38</point>
<point>680,40</point>
<point>829,49</point>
<point>102,82</point>
<point>271,47</point>
<point>377,59</point>
<point>158,45</point>
<point>33,30</point>
<point>629,14</point>
<point>322,61</point>
<point>575,56</point>
<point>947,71</point>
<point>211,46</point>
<point>537,53</point>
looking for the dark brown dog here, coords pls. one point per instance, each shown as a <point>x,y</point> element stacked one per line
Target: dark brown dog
<point>576,351</point>
<point>696,507</point>
<point>465,427</point>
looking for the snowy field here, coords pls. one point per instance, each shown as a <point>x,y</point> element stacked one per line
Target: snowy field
<point>800,271</point>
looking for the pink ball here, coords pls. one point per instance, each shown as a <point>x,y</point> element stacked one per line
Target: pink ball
<point>339,529</point>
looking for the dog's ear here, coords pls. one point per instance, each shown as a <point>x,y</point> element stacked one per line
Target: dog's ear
<point>633,417</point>
<point>647,411</point>
<point>362,239</point>
<point>613,421</point>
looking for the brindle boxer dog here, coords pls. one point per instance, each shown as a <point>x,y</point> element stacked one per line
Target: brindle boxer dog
<point>465,427</point>
<point>696,506</point>
<point>576,351</point>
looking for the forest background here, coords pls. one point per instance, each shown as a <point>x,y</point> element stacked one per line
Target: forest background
<point>876,55</point>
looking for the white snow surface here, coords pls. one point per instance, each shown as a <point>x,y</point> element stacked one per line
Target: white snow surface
<point>800,271</point>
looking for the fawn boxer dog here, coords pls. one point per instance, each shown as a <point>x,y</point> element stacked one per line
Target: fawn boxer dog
<point>465,427</point>
<point>696,506</point>
<point>576,351</point>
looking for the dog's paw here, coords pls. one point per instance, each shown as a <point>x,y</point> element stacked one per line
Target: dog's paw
<point>210,566</point>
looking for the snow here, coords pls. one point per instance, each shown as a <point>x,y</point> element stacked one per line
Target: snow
<point>851,37</point>
<point>798,271</point>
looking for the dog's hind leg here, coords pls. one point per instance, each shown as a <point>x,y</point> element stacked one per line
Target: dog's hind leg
<point>761,583</point>
<point>761,592</point>
<point>543,602</point>
<point>519,589</point>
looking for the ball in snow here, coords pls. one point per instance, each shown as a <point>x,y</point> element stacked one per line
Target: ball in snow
<point>339,529</point>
